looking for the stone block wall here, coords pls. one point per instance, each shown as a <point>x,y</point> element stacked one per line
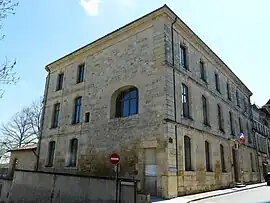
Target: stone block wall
<point>30,186</point>
<point>132,59</point>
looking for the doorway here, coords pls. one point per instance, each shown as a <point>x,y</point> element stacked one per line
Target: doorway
<point>150,171</point>
<point>235,165</point>
<point>265,170</point>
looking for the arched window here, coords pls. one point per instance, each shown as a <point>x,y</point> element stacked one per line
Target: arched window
<point>73,152</point>
<point>127,103</point>
<point>187,147</point>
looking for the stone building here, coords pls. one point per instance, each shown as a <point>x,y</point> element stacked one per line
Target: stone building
<point>23,158</point>
<point>20,158</point>
<point>173,113</point>
<point>261,123</point>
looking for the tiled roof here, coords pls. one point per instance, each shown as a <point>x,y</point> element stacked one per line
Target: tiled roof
<point>28,147</point>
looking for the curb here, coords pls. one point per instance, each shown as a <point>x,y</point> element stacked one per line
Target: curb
<point>201,198</point>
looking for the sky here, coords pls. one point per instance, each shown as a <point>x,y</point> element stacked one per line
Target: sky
<point>43,31</point>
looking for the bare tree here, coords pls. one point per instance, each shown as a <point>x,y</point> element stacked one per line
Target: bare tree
<point>18,132</point>
<point>7,74</point>
<point>33,113</point>
<point>23,129</point>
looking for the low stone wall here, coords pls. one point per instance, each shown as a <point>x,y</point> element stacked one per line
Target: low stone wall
<point>5,184</point>
<point>44,187</point>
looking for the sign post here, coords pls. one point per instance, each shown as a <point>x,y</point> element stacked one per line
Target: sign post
<point>115,159</point>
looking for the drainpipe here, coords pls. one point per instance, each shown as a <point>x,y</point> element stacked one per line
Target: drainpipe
<point>42,117</point>
<point>174,98</point>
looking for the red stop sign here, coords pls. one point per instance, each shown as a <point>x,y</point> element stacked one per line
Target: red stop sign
<point>115,158</point>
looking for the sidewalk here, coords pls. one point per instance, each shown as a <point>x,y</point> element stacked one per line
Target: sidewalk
<point>196,197</point>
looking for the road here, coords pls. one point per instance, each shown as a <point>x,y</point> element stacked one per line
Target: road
<point>256,195</point>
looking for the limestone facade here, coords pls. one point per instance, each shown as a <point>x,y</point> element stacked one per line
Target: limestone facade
<point>261,123</point>
<point>140,56</point>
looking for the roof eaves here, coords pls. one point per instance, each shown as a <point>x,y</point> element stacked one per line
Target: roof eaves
<point>105,36</point>
<point>207,47</point>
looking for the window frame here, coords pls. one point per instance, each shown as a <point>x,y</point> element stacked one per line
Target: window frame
<point>231,118</point>
<point>183,56</point>
<point>60,82</point>
<point>222,159</point>
<point>203,71</point>
<point>237,98</point>
<point>241,130</point>
<point>55,119</point>
<point>220,118</point>
<point>229,95</point>
<point>73,155</point>
<point>207,149</point>
<point>187,153</point>
<point>77,107</point>
<point>80,73</point>
<point>51,154</point>
<point>248,134</point>
<point>185,97</point>
<point>217,82</point>
<point>120,103</point>
<point>205,111</point>
<point>251,162</point>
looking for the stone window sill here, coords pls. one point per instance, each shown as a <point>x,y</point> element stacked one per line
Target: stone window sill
<point>71,167</point>
<point>75,123</point>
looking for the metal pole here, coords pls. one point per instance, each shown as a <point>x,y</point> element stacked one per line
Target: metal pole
<point>116,180</point>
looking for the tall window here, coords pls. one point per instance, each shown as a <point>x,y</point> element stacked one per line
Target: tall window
<point>185,101</point>
<point>229,92</point>
<point>240,125</point>
<point>80,74</point>
<point>187,147</point>
<point>202,69</point>
<point>217,82</point>
<point>245,105</point>
<point>127,103</point>
<point>207,157</point>
<point>231,123</point>
<point>237,98</point>
<point>60,80</point>
<point>55,118</point>
<point>183,57</point>
<point>73,152</point>
<point>205,111</point>
<point>77,110</point>
<point>220,118</point>
<point>248,135</point>
<point>51,151</point>
<point>251,162</point>
<point>222,158</point>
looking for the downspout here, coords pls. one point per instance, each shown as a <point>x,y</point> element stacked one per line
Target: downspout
<point>42,117</point>
<point>175,114</point>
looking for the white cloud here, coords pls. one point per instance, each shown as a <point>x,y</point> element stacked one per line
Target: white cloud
<point>91,7</point>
